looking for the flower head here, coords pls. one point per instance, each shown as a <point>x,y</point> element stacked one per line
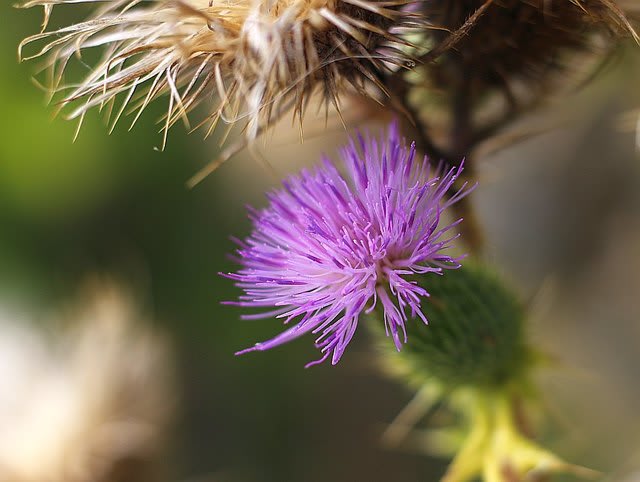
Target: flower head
<point>332,246</point>
<point>259,59</point>
<point>522,41</point>
<point>506,57</point>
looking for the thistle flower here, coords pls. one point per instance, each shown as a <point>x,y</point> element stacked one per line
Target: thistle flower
<point>260,59</point>
<point>331,246</point>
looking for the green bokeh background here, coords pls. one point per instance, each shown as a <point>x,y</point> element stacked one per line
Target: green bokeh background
<point>113,204</point>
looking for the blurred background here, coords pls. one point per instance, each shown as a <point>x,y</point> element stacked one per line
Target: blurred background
<point>562,213</point>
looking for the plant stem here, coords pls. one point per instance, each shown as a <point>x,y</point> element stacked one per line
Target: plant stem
<point>461,140</point>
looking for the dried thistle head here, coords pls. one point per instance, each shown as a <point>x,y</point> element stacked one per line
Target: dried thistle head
<point>521,38</point>
<point>89,401</point>
<point>509,54</point>
<point>256,60</point>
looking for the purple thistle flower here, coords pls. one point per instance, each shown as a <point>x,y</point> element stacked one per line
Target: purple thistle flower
<point>331,246</point>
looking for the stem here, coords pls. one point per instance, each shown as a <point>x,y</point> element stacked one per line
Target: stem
<point>470,228</point>
<point>461,141</point>
<point>412,125</point>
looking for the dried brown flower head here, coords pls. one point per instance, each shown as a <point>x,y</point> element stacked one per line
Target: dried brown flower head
<point>521,38</point>
<point>256,59</point>
<point>512,53</point>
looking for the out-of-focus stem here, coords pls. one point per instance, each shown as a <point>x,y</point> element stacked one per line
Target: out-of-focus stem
<point>461,142</point>
<point>470,228</point>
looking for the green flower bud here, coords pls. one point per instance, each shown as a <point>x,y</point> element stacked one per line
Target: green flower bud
<point>475,336</point>
<point>473,356</point>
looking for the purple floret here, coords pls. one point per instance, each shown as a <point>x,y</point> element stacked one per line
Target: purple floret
<point>330,246</point>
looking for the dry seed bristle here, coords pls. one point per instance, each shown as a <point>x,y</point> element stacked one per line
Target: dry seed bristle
<point>258,60</point>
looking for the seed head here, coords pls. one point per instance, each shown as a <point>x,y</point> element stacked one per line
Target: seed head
<point>330,246</point>
<point>515,52</point>
<point>522,39</point>
<point>255,59</point>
